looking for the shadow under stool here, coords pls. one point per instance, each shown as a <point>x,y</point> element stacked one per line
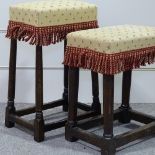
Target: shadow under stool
<point>111,50</point>
<point>42,28</point>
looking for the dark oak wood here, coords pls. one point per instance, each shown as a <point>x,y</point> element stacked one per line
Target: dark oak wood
<point>96,106</point>
<point>21,121</point>
<point>93,139</point>
<point>76,129</point>
<point>88,137</point>
<point>84,107</point>
<point>95,121</point>
<point>61,123</point>
<point>73,91</point>
<point>125,107</point>
<point>110,152</point>
<point>39,127</point>
<point>108,102</point>
<point>141,117</point>
<point>48,126</point>
<point>108,143</point>
<point>73,99</point>
<point>65,93</point>
<point>53,104</point>
<point>135,134</point>
<point>10,109</point>
<point>46,106</point>
<point>39,121</point>
<point>108,108</point>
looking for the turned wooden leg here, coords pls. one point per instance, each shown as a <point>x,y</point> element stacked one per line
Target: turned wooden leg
<point>125,106</point>
<point>72,104</point>
<point>10,109</point>
<point>108,103</point>
<point>65,93</point>
<point>96,106</point>
<point>111,151</point>
<point>39,121</point>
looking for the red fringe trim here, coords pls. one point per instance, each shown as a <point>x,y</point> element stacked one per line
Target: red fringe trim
<point>109,64</point>
<point>44,36</point>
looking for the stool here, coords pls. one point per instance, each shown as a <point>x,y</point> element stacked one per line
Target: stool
<point>109,50</point>
<point>42,23</point>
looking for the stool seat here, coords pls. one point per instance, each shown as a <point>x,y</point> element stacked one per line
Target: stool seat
<point>50,20</point>
<point>110,50</point>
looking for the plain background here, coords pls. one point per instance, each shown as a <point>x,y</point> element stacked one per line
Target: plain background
<point>110,12</point>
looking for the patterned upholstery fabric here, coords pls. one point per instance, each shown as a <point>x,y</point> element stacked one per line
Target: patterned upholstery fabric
<point>47,22</point>
<point>53,12</point>
<point>110,50</point>
<point>113,39</point>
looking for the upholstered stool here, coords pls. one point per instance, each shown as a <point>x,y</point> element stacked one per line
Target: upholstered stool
<point>109,50</point>
<point>42,23</point>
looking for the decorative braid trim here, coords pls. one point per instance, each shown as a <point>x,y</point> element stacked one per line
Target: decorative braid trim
<point>109,64</point>
<point>44,36</point>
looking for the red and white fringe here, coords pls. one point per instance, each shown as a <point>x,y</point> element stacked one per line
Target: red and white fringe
<point>44,36</point>
<point>108,64</point>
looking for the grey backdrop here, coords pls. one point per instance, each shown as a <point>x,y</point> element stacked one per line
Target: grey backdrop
<point>110,12</point>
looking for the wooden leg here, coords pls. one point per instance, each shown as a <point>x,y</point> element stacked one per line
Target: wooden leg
<point>111,152</point>
<point>10,109</point>
<point>96,106</point>
<point>73,99</point>
<point>65,93</point>
<point>39,121</point>
<point>125,107</point>
<point>108,103</point>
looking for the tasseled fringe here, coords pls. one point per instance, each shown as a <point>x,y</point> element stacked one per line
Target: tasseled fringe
<point>108,64</point>
<point>44,36</point>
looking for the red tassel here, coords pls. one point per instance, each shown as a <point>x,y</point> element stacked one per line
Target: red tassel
<point>109,64</point>
<point>45,36</point>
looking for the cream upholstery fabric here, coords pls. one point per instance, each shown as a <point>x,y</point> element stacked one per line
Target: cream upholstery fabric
<point>113,39</point>
<point>53,12</point>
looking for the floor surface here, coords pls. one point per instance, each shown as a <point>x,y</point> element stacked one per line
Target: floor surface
<point>16,141</point>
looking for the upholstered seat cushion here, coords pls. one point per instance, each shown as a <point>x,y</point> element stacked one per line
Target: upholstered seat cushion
<point>113,39</point>
<point>112,49</point>
<point>53,12</point>
<point>52,15</point>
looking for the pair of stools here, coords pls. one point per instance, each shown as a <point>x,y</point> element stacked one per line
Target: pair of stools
<point>108,50</point>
